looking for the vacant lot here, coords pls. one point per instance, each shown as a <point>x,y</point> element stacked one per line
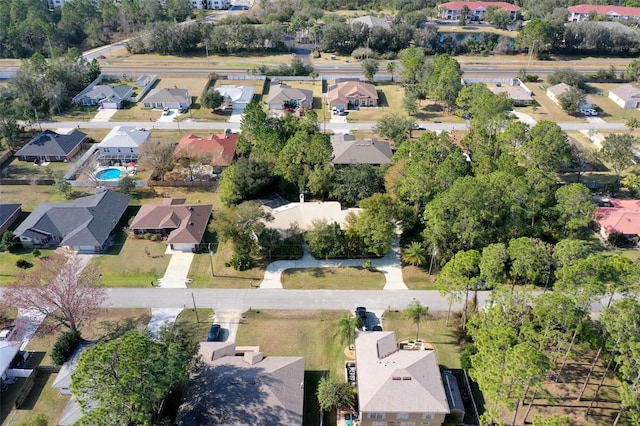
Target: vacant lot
<point>418,278</point>
<point>347,278</point>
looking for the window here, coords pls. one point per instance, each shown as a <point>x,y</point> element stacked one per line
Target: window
<point>428,416</point>
<point>402,416</point>
<point>425,424</point>
<point>375,416</point>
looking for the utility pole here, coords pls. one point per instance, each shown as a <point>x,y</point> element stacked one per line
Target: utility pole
<point>211,259</point>
<point>194,307</point>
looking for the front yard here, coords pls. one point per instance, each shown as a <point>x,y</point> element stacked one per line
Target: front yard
<point>346,278</point>
<point>8,269</point>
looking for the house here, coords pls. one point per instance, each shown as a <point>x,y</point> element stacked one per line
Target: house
<point>347,150</point>
<point>399,386</point>
<point>304,214</point>
<point>626,96</point>
<point>63,378</point>
<point>372,21</point>
<point>83,225</point>
<point>167,98</point>
<point>453,9</point>
<point>581,12</point>
<point>52,146</point>
<point>183,224</point>
<point>236,97</point>
<point>517,94</point>
<point>122,144</point>
<point>352,94</point>
<point>210,4</point>
<point>282,96</point>
<point>8,351</point>
<point>240,386</point>
<point>8,214</point>
<point>107,97</point>
<point>619,216</point>
<point>218,150</point>
<point>554,92</point>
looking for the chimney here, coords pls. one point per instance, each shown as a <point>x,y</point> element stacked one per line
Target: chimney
<point>252,358</point>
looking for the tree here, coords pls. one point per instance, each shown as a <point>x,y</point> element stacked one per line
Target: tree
<point>445,80</point>
<point>632,123</point>
<point>245,178</point>
<point>537,35</point>
<point>493,264</point>
<point>412,61</point>
<point>498,17</point>
<point>415,254</point>
<point>417,314</point>
<point>617,150</point>
<point>114,383</point>
<point>391,69</point>
<point>7,241</point>
<point>547,148</point>
<point>369,68</point>
<point>567,76</point>
<point>300,155</point>
<point>333,394</point>
<point>241,224</point>
<point>395,127</point>
<point>346,330</point>
<point>568,250</point>
<point>355,182</point>
<point>212,99</point>
<point>177,10</point>
<point>530,261</point>
<point>158,155</point>
<point>62,288</point>
<point>375,227</point>
<point>575,207</point>
<point>459,275</point>
<point>126,185</point>
<point>326,240</point>
<point>410,102</point>
<point>62,185</point>
<point>464,13</point>
<point>571,99</point>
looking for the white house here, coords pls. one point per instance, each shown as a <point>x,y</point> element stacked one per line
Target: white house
<point>581,12</point>
<point>122,144</point>
<point>210,4</point>
<point>626,96</point>
<point>236,97</point>
<point>554,92</point>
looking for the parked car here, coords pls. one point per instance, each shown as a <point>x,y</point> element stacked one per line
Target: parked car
<point>214,333</point>
<point>589,112</point>
<point>7,333</point>
<point>376,328</point>
<point>417,126</point>
<point>361,312</point>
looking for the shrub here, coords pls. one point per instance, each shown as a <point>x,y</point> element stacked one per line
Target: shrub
<point>64,346</point>
<point>240,262</point>
<point>35,420</point>
<point>617,239</point>
<point>23,264</point>
<point>532,78</point>
<point>156,237</point>
<point>367,265</point>
<point>465,356</point>
<point>36,253</point>
<point>147,235</point>
<point>316,54</point>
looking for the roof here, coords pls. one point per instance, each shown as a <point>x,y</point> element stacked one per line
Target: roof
<point>220,148</point>
<point>626,92</point>
<point>125,137</point>
<point>284,93</point>
<point>52,144</point>
<point>238,94</point>
<point>559,89</point>
<point>605,10</point>
<point>87,221</point>
<point>8,351</point>
<point>393,380</point>
<point>304,214</point>
<point>348,150</point>
<point>513,92</point>
<point>109,93</point>
<point>63,378</point>
<point>164,95</point>
<point>624,217</point>
<point>7,210</point>
<point>243,390</point>
<point>349,89</point>
<point>479,5</point>
<point>187,222</point>
<point>372,21</point>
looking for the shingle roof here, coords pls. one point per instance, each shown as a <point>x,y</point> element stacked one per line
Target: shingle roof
<point>164,95</point>
<point>626,92</point>
<point>238,94</point>
<point>392,380</point>
<point>372,21</point>
<point>559,89</point>
<point>348,150</point>
<point>347,89</point>
<point>50,143</point>
<point>513,92</point>
<point>108,93</point>
<point>475,5</point>
<point>7,210</point>
<point>220,148</point>
<point>187,223</point>
<point>284,93</point>
<point>125,137</point>
<point>87,221</point>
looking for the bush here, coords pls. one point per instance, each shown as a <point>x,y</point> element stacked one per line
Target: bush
<point>240,262</point>
<point>156,237</point>
<point>465,356</point>
<point>617,239</point>
<point>64,346</point>
<point>316,54</point>
<point>7,241</point>
<point>23,264</point>
<point>35,420</point>
<point>147,235</point>
<point>36,253</point>
<point>532,78</point>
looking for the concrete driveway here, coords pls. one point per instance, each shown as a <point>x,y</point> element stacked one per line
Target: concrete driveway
<point>176,274</point>
<point>236,114</point>
<point>104,115</point>
<point>161,317</point>
<point>229,319</point>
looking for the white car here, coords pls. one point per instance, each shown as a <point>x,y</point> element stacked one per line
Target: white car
<point>589,112</point>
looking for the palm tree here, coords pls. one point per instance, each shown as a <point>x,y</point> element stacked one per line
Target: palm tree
<point>417,313</point>
<point>346,331</point>
<point>415,254</point>
<point>391,69</point>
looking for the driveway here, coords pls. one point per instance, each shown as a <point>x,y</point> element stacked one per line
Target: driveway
<point>338,119</point>
<point>104,115</point>
<point>229,319</point>
<point>236,114</point>
<point>161,317</point>
<point>176,274</point>
<point>525,118</point>
<point>171,115</point>
<point>597,120</point>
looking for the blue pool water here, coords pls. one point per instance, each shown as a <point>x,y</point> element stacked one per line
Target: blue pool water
<point>109,174</point>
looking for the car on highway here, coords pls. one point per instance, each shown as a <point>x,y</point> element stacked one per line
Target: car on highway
<point>214,333</point>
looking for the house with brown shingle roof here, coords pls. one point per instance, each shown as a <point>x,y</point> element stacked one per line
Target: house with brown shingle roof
<point>348,150</point>
<point>352,93</point>
<point>626,96</point>
<point>217,150</point>
<point>398,385</point>
<point>554,92</point>
<point>182,224</point>
<point>283,96</point>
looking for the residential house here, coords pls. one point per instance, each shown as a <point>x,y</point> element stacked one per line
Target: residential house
<point>518,95</point>
<point>210,4</point>
<point>83,225</point>
<point>452,10</point>
<point>372,21</point>
<point>352,94</point>
<point>183,224</point>
<point>619,216</point>
<point>348,150</point>
<point>282,96</point>
<point>122,144</point>
<point>304,214</point>
<point>626,96</point>
<point>167,98</point>
<point>217,150</point>
<point>52,146</point>
<point>554,92</point>
<point>235,97</point>
<point>397,386</point>
<point>8,351</point>
<point>581,12</point>
<point>63,378</point>
<point>8,214</point>
<point>107,97</point>
<point>240,386</point>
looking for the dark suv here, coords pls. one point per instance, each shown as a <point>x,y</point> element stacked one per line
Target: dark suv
<point>361,312</point>
<point>214,333</point>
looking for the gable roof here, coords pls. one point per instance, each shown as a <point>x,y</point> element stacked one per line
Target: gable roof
<point>304,214</point>
<point>393,380</point>
<point>623,217</point>
<point>109,93</point>
<point>513,92</point>
<point>284,93</point>
<point>244,390</point>
<point>7,210</point>
<point>626,92</point>
<point>164,95</point>
<point>558,89</point>
<point>372,21</point>
<point>187,222</point>
<point>220,148</point>
<point>346,90</point>
<point>125,137</point>
<point>479,5</point>
<point>237,94</point>
<point>348,150</point>
<point>52,144</point>
<point>605,10</point>
<point>86,221</point>
<point>63,378</point>
<point>8,351</point>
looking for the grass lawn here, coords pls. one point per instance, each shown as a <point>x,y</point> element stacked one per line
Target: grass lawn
<point>599,93</point>
<point>135,112</point>
<point>195,330</point>
<point>390,97</point>
<point>43,399</point>
<point>27,170</point>
<point>77,113</point>
<point>192,195</point>
<point>29,196</point>
<point>8,268</point>
<point>418,278</point>
<point>546,108</point>
<point>348,278</point>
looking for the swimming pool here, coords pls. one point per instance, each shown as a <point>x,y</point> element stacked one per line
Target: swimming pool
<point>109,174</point>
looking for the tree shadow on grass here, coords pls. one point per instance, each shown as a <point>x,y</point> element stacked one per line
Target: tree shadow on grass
<point>38,386</point>
<point>114,329</point>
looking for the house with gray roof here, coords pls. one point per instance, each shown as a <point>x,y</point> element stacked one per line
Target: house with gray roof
<point>348,150</point>
<point>52,146</point>
<point>398,385</point>
<point>106,96</point>
<point>283,96</point>
<point>83,225</point>
<point>167,98</point>
<point>372,21</point>
<point>554,92</point>
<point>625,96</point>
<point>240,386</point>
<point>122,144</point>
<point>8,214</point>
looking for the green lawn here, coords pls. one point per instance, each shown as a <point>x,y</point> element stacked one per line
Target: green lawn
<point>195,330</point>
<point>418,278</point>
<point>347,278</point>
<point>43,399</point>
<point>27,170</point>
<point>8,268</point>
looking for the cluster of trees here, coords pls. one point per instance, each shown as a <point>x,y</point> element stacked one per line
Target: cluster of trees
<point>342,37</point>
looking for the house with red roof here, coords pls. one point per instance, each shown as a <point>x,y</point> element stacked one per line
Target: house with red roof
<point>217,150</point>
<point>581,12</point>
<point>453,9</point>
<point>619,216</point>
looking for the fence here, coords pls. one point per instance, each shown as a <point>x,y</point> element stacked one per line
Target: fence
<point>183,183</point>
<point>26,388</point>
<point>35,181</point>
<point>77,168</point>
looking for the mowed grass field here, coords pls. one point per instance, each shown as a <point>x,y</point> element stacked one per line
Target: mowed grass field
<point>346,278</point>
